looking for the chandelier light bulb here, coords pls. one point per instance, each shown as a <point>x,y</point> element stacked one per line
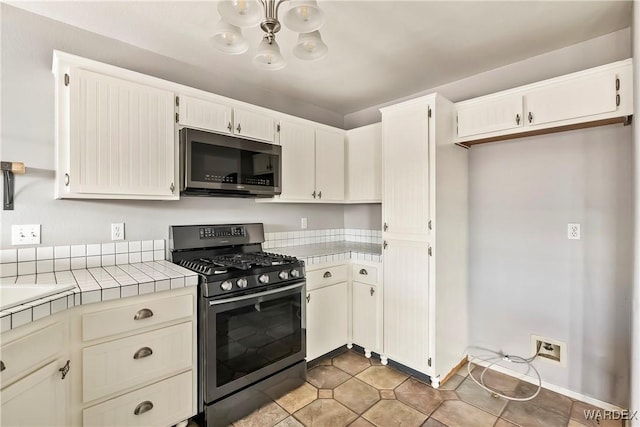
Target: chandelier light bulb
<point>268,56</point>
<point>228,39</point>
<point>304,16</point>
<point>241,13</point>
<point>310,47</point>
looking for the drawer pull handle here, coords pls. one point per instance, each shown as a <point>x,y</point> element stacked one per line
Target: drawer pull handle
<point>364,272</point>
<point>65,369</point>
<point>2,366</point>
<point>143,407</point>
<point>326,274</point>
<point>142,353</point>
<point>143,314</point>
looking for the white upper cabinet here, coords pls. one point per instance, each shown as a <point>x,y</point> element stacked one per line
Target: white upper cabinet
<point>406,157</point>
<point>491,116</point>
<point>216,116</point>
<point>298,161</point>
<point>364,164</point>
<point>197,113</point>
<point>329,165</point>
<point>119,139</point>
<point>312,163</point>
<point>580,97</point>
<point>252,124</point>
<point>597,96</point>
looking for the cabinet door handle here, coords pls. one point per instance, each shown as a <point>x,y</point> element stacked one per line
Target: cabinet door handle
<point>364,272</point>
<point>142,353</point>
<point>314,194</point>
<point>172,187</point>
<point>385,226</point>
<point>320,195</point>
<point>372,291</point>
<point>517,119</point>
<point>384,245</point>
<point>143,314</point>
<point>66,179</point>
<point>308,298</point>
<point>530,117</point>
<point>65,369</point>
<point>2,366</point>
<point>239,129</point>
<point>143,407</point>
<point>229,127</point>
<point>326,274</point>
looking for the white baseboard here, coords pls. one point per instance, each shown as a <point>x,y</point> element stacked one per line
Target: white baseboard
<point>560,390</point>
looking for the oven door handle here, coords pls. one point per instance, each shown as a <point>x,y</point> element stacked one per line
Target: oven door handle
<point>257,294</point>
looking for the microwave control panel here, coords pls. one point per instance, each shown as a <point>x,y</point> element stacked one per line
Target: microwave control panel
<point>213,232</point>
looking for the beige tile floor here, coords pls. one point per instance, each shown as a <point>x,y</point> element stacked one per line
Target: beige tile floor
<point>351,390</point>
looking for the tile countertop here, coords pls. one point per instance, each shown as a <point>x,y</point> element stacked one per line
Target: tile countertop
<point>95,285</point>
<point>333,251</point>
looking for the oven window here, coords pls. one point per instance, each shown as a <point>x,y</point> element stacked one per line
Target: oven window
<point>217,164</point>
<point>251,337</point>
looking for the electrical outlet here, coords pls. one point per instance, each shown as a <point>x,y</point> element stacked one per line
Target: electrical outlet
<point>549,349</point>
<point>573,231</point>
<point>117,231</point>
<point>303,223</point>
<point>25,234</point>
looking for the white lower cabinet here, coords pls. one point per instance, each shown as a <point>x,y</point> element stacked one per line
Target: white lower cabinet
<point>365,316</point>
<point>34,381</point>
<point>39,399</point>
<point>164,403</point>
<point>327,317</point>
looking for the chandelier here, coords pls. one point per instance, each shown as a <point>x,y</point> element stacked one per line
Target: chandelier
<point>303,16</point>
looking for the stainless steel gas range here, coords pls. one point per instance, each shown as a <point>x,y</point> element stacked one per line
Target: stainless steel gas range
<point>251,318</point>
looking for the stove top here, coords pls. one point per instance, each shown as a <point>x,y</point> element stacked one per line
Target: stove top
<point>230,260</point>
<point>221,264</point>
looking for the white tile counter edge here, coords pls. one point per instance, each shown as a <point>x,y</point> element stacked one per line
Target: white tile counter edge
<point>95,285</point>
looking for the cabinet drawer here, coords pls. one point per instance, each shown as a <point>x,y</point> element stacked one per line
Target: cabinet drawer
<point>166,403</point>
<point>26,354</point>
<point>326,276</point>
<point>117,365</point>
<point>135,316</point>
<point>364,274</point>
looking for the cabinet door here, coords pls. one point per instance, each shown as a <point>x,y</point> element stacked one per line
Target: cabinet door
<point>298,161</point>
<point>254,125</point>
<point>208,115</point>
<point>365,315</point>
<point>122,137</point>
<point>578,97</point>
<point>364,163</point>
<point>39,399</point>
<point>490,116</point>
<point>406,171</point>
<point>327,320</point>
<point>330,165</point>
<point>406,268</point>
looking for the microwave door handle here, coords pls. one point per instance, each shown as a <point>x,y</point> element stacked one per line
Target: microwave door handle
<point>257,294</point>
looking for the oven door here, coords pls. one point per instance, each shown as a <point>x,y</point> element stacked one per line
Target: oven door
<point>251,337</point>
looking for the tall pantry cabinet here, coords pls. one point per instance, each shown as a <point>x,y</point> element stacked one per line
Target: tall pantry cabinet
<point>424,214</point>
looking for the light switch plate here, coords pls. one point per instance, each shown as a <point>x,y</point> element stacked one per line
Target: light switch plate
<point>28,234</point>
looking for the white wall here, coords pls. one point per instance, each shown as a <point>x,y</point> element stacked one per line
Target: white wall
<point>367,216</point>
<point>635,355</point>
<point>527,278</point>
<point>27,135</point>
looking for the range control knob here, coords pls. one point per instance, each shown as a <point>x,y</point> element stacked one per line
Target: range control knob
<point>263,278</point>
<point>242,283</point>
<point>284,275</point>
<point>295,273</point>
<point>226,285</point>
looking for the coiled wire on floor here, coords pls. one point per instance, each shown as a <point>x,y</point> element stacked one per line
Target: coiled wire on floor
<point>495,359</point>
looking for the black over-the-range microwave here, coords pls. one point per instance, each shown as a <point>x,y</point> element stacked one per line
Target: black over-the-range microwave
<point>213,164</point>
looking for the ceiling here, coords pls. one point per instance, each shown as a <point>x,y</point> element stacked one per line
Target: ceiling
<point>378,50</point>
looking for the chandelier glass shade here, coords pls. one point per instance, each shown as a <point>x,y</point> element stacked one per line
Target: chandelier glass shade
<point>303,16</point>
